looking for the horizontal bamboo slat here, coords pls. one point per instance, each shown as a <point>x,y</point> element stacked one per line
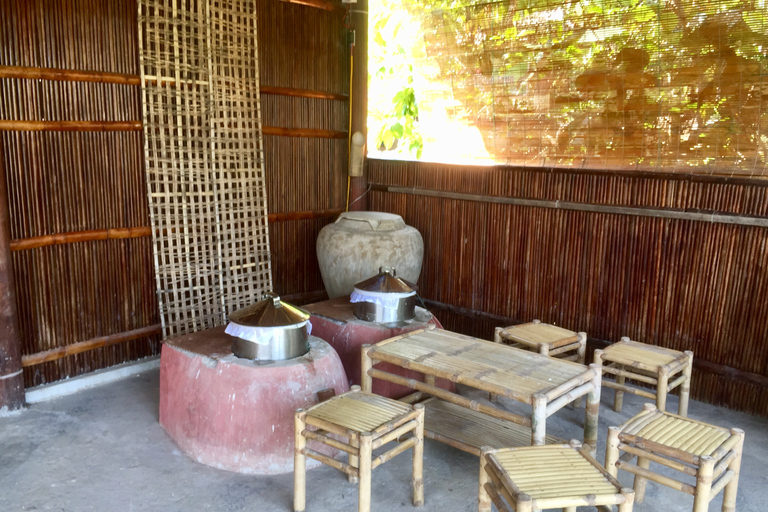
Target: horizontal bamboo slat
<point>325,5</point>
<point>302,132</point>
<point>67,75</point>
<point>81,236</point>
<point>302,93</point>
<point>71,126</point>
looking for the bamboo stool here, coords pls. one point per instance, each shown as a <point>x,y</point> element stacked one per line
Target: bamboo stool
<point>545,477</point>
<point>649,364</point>
<point>367,422</point>
<point>710,454</point>
<point>546,339</point>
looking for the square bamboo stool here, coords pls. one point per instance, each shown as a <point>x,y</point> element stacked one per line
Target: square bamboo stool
<point>545,477</point>
<point>650,364</point>
<point>368,422</point>
<point>712,455</point>
<point>546,339</point>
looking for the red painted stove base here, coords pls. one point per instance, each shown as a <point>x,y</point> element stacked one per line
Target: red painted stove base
<point>236,414</point>
<point>335,321</point>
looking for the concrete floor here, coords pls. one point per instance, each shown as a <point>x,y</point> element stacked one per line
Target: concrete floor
<point>103,449</point>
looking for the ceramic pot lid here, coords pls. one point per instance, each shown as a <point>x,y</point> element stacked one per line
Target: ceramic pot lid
<point>269,312</point>
<point>386,281</point>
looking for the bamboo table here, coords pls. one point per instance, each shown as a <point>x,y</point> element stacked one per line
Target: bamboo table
<point>546,384</point>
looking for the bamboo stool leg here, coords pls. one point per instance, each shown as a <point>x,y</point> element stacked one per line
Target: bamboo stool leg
<point>524,503</point>
<point>592,410</point>
<point>685,389</point>
<point>366,381</point>
<point>640,482</point>
<point>662,390</point>
<point>364,489</point>
<point>629,494</point>
<point>496,339</point>
<point>612,451</point>
<point>483,499</point>
<point>569,509</point>
<point>701,496</point>
<point>581,358</point>
<point>729,494</point>
<point>299,463</point>
<point>618,397</point>
<point>354,460</point>
<point>418,459</point>
<point>539,420</point>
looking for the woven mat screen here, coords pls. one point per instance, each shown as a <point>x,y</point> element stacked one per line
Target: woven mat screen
<point>204,158</point>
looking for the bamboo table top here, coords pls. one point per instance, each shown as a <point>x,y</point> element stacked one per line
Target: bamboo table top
<point>534,333</point>
<point>360,412</point>
<point>643,356</point>
<point>514,373</point>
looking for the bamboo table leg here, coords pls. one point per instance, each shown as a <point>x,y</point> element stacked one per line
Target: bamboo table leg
<point>539,420</point>
<point>627,505</point>
<point>593,410</point>
<point>703,484</point>
<point>364,490</point>
<point>483,499</point>
<point>418,459</point>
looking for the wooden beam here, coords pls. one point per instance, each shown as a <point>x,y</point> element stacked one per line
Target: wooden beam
<point>79,236</point>
<point>67,75</point>
<point>76,348</point>
<point>303,132</point>
<point>302,93</point>
<point>11,377</point>
<point>70,126</point>
<point>319,214</point>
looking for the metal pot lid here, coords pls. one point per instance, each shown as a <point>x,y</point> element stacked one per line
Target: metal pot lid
<point>371,221</point>
<point>269,312</point>
<point>386,281</point>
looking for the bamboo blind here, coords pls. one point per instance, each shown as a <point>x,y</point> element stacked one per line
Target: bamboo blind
<point>202,126</point>
<point>682,284</point>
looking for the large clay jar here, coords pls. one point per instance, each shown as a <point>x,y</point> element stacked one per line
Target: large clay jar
<point>358,243</point>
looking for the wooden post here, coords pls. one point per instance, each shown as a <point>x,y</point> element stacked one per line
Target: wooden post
<point>11,377</point>
<point>358,192</point>
<point>299,463</point>
<point>418,459</point>
<point>685,390</point>
<point>701,496</point>
<point>483,499</point>
<point>366,381</point>
<point>729,494</point>
<point>364,489</point>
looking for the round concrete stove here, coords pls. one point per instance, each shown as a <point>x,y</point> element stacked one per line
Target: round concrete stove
<point>237,414</point>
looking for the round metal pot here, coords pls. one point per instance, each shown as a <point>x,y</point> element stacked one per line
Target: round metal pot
<point>371,312</point>
<point>287,343</point>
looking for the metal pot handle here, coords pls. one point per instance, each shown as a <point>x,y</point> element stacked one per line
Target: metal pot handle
<point>275,298</point>
<point>388,270</point>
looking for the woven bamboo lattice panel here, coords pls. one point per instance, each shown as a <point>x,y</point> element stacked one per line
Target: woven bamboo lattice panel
<point>203,145</point>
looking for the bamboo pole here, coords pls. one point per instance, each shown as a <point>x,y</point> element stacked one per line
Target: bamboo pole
<point>483,498</point>
<point>67,75</point>
<point>397,450</point>
<point>302,93</point>
<point>319,214</point>
<point>729,494</point>
<point>299,462</point>
<point>83,346</point>
<point>11,376</point>
<point>701,495</point>
<point>309,133</point>
<point>79,236</point>
<point>324,5</point>
<point>70,126</point>
<point>418,458</point>
<point>685,391</point>
<point>364,488</point>
<point>649,475</point>
<point>592,411</point>
<point>320,438</point>
<point>366,364</point>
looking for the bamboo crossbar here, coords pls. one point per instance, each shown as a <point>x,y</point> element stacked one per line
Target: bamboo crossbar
<point>414,397</point>
<point>79,236</point>
<point>304,215</point>
<point>450,397</point>
<point>394,452</point>
<point>496,499</point>
<point>308,133</point>
<point>727,445</point>
<point>498,479</point>
<point>676,465</point>
<point>83,346</point>
<point>721,482</point>
<point>67,75</point>
<point>341,466</point>
<point>562,350</point>
<point>320,438</point>
<point>328,426</point>
<point>71,126</point>
<point>659,479</point>
<point>563,400</point>
<point>302,93</point>
<point>394,434</point>
<point>630,375</point>
<point>629,389</point>
<point>723,464</point>
<point>317,4</point>
<point>578,381</point>
<point>675,383</point>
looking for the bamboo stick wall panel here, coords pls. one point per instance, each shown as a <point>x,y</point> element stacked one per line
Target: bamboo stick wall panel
<point>61,182</point>
<point>202,126</point>
<point>676,283</point>
<point>303,48</point>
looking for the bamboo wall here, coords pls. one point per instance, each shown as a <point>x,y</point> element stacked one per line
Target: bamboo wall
<point>302,51</point>
<point>683,284</point>
<point>73,156</point>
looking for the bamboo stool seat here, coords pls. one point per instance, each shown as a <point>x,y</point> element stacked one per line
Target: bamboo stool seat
<point>649,364</point>
<point>546,477</point>
<point>368,422</point>
<point>710,454</point>
<point>546,339</point>
<point>470,430</point>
